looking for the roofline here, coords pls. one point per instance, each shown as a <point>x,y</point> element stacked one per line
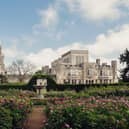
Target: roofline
<point>72,51</point>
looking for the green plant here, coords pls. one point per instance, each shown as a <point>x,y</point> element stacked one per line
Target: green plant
<point>90,113</point>
<point>5,118</point>
<point>51,84</point>
<point>14,107</point>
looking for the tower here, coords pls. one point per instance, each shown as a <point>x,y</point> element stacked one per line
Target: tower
<point>114,70</point>
<point>2,66</point>
<point>98,61</point>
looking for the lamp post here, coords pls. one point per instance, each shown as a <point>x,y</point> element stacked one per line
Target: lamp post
<point>40,87</point>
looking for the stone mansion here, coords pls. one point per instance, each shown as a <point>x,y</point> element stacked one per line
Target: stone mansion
<point>74,68</point>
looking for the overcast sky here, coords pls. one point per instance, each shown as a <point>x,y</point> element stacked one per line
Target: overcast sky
<point>41,30</point>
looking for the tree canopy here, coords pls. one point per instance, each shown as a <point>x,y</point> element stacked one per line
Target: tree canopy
<point>124,59</point>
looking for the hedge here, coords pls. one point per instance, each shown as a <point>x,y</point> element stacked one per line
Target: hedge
<point>62,87</point>
<point>19,86</point>
<point>50,81</point>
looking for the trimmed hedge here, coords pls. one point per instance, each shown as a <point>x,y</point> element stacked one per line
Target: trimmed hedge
<point>20,86</point>
<point>78,88</point>
<point>53,86</point>
<point>50,81</point>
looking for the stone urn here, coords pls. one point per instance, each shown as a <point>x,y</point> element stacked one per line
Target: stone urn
<point>40,87</point>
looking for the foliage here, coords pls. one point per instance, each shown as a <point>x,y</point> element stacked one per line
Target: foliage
<point>94,108</point>
<point>5,118</point>
<point>15,105</point>
<point>6,86</point>
<point>124,59</point>
<point>88,113</point>
<point>50,81</point>
<point>91,91</point>
<point>3,79</point>
<point>80,87</point>
<point>39,102</point>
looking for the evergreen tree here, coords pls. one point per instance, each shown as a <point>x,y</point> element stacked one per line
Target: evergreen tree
<point>124,59</point>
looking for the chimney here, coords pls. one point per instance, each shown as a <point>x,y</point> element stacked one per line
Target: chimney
<point>98,61</point>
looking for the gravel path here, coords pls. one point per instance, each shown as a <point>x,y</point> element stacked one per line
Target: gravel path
<point>35,119</point>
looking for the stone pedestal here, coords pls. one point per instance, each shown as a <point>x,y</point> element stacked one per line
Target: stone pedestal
<point>41,87</point>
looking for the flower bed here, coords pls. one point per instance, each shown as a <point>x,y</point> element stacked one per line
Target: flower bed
<point>14,108</point>
<point>87,113</point>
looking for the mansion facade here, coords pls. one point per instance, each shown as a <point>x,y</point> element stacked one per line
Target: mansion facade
<point>74,68</point>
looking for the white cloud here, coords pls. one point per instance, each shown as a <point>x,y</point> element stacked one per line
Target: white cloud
<point>114,41</point>
<point>47,55</point>
<point>49,17</point>
<point>13,53</point>
<point>106,46</point>
<point>98,9</point>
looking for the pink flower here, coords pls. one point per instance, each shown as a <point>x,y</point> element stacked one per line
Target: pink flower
<point>67,125</point>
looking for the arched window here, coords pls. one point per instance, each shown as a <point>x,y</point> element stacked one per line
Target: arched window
<point>101,73</point>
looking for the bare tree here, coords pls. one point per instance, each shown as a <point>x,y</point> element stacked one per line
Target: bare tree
<point>21,68</point>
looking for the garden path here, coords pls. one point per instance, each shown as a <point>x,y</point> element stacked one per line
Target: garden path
<point>35,119</point>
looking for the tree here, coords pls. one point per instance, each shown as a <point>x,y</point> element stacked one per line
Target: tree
<point>21,68</point>
<point>39,72</point>
<point>3,79</point>
<point>124,59</point>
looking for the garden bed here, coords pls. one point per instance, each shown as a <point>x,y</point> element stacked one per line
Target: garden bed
<point>14,107</point>
<point>87,113</point>
<point>93,108</point>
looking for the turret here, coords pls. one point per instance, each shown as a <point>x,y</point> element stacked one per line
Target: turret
<point>114,70</point>
<point>114,65</point>
<point>98,61</point>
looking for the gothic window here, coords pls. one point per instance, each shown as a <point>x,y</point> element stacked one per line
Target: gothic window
<point>101,73</point>
<point>88,73</point>
<point>96,81</point>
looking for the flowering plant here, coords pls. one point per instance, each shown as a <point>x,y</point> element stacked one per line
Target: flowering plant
<point>14,107</point>
<point>88,113</point>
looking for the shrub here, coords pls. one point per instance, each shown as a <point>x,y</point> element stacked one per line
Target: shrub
<point>51,84</point>
<point>91,113</point>
<point>15,105</point>
<point>7,86</point>
<point>5,118</point>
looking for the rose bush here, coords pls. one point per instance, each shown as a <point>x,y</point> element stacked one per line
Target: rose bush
<point>14,107</point>
<point>5,118</point>
<point>87,113</point>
